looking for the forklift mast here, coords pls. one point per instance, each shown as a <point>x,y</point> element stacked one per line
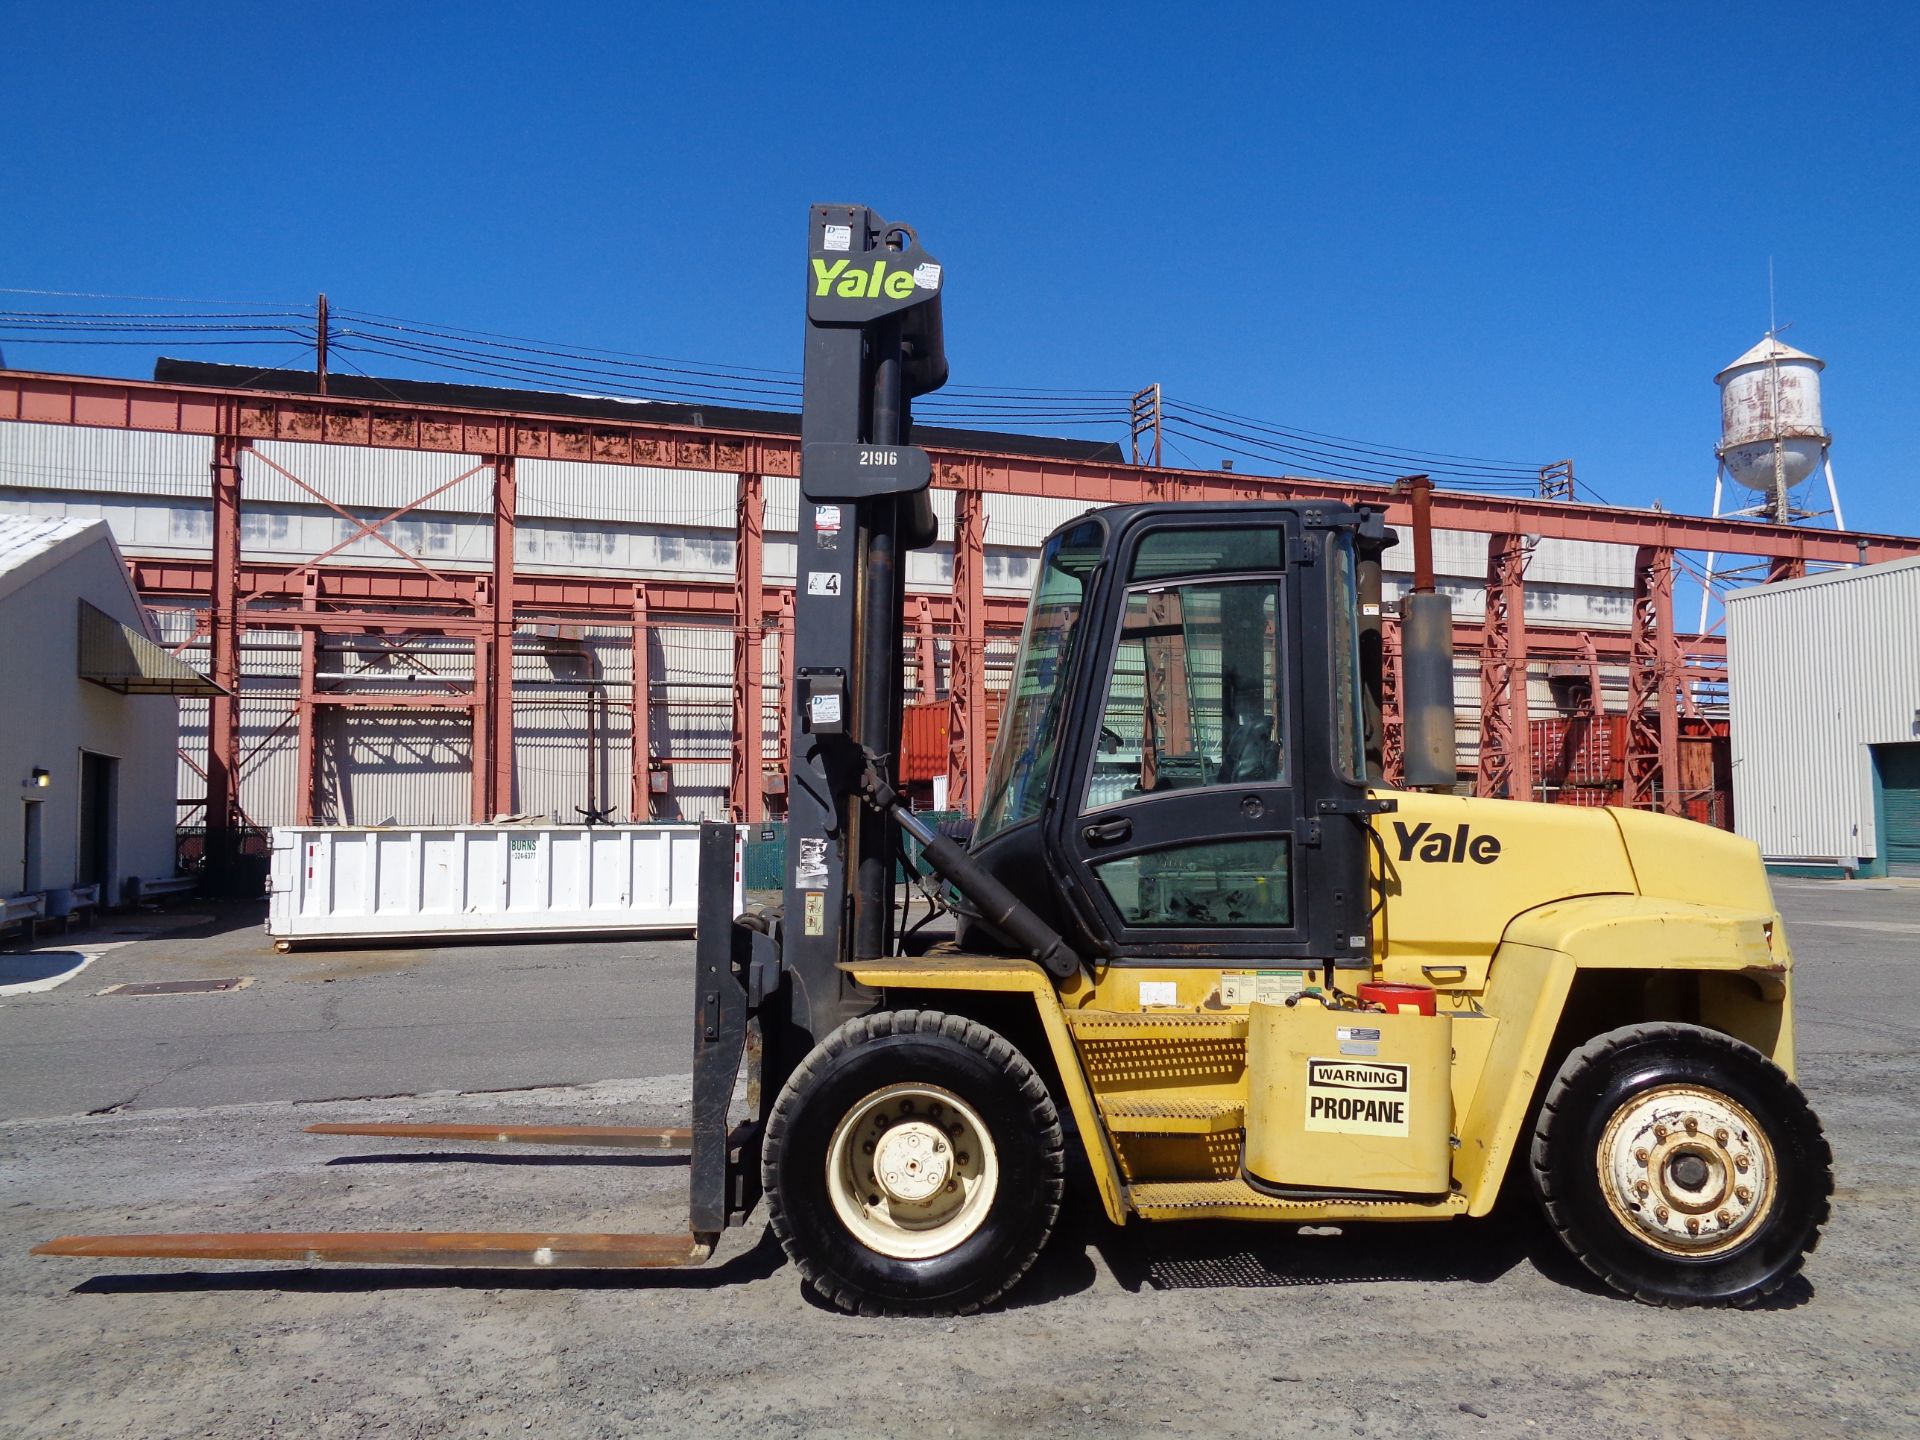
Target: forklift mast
<point>873,344</point>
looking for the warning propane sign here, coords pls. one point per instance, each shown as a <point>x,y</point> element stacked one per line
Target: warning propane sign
<point>1346,1097</point>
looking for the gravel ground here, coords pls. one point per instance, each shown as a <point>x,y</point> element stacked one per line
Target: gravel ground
<point>1467,1329</point>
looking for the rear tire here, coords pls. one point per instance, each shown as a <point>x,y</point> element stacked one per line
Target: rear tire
<point>913,1165</point>
<point>1681,1166</point>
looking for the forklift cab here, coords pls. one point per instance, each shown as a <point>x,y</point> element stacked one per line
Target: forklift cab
<point>1181,774</point>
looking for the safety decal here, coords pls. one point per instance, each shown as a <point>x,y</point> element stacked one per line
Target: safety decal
<point>838,237</point>
<point>826,526</point>
<point>811,868</point>
<point>1355,1097</point>
<point>816,912</point>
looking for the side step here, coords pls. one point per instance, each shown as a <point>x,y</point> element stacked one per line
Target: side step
<point>602,1137</point>
<point>399,1247</point>
<point>1148,1114</point>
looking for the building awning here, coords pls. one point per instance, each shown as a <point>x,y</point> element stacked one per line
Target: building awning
<point>121,658</point>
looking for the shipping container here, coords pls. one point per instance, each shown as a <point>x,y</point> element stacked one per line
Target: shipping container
<point>347,885</point>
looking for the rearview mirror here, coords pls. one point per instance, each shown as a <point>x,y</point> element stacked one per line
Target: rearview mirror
<point>1428,758</point>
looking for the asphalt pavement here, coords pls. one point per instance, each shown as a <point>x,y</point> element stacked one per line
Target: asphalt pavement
<point>326,1025</point>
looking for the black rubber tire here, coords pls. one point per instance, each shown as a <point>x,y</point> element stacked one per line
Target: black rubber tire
<point>1607,1072</point>
<point>975,1064</point>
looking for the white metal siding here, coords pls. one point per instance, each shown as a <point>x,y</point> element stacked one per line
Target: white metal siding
<point>1819,669</point>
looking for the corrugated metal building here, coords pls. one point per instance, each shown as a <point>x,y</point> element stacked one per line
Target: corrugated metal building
<point>1825,714</point>
<point>574,707</point>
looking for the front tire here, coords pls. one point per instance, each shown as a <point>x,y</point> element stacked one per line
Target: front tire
<point>1681,1166</point>
<point>913,1165</point>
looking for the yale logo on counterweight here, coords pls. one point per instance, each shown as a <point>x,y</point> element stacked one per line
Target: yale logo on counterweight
<point>1444,848</point>
<point>1348,1097</point>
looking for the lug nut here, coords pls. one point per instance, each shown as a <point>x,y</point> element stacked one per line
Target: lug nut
<point>964,1158</point>
<point>868,1147</point>
<point>939,1147</point>
<point>1693,1126</point>
<point>1659,1132</point>
<point>1740,1163</point>
<point>1661,1214</point>
<point>1720,1137</point>
<point>1725,1217</point>
<point>1743,1195</point>
<point>1641,1156</point>
<point>1639,1187</point>
<point>1693,1227</point>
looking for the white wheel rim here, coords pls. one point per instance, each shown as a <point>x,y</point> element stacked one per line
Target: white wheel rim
<point>912,1171</point>
<point>1686,1170</point>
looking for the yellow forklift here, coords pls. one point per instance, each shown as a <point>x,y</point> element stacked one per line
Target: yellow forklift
<point>1194,927</point>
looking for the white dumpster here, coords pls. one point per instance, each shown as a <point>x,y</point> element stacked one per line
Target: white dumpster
<point>353,883</point>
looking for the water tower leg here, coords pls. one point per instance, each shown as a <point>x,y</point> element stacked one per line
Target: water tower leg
<point>1706,585</point>
<point>1833,497</point>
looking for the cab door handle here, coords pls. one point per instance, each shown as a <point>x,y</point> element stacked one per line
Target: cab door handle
<point>1112,832</point>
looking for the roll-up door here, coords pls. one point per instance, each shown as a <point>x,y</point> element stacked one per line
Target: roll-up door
<point>1900,807</point>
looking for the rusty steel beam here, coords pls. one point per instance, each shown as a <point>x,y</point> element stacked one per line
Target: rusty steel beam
<point>1392,732</point>
<point>395,699</point>
<point>1506,761</point>
<point>304,766</point>
<point>745,800</point>
<point>783,706</point>
<point>163,582</point>
<point>223,709</point>
<point>926,666</point>
<point>1652,773</point>
<point>587,1137</point>
<point>53,399</point>
<point>506,510</point>
<point>640,770</point>
<point>381,1247</point>
<point>967,656</point>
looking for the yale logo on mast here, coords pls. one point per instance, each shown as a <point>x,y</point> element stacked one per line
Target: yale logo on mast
<point>1357,1097</point>
<point>872,282</point>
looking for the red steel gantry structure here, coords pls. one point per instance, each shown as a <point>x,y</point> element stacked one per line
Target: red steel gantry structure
<point>322,596</point>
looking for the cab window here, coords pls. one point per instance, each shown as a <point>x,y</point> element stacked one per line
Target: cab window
<point>1194,696</point>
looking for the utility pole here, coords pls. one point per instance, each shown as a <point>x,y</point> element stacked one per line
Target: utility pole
<point>1144,419</point>
<point>320,340</point>
<point>1556,480</point>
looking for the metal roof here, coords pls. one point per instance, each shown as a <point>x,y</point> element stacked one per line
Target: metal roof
<point>1840,576</point>
<point>1770,348</point>
<point>120,658</point>
<point>546,402</point>
<point>28,544</point>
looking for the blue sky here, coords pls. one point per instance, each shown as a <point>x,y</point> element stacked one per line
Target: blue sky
<point>1517,231</point>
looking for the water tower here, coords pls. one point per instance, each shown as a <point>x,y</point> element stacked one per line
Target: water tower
<point>1771,435</point>
<point>1772,438</point>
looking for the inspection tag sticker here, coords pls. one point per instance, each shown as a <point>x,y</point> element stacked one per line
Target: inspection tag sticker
<point>1267,987</point>
<point>1355,1097</point>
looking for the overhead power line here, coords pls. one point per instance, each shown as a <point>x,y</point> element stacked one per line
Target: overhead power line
<point>520,360</point>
